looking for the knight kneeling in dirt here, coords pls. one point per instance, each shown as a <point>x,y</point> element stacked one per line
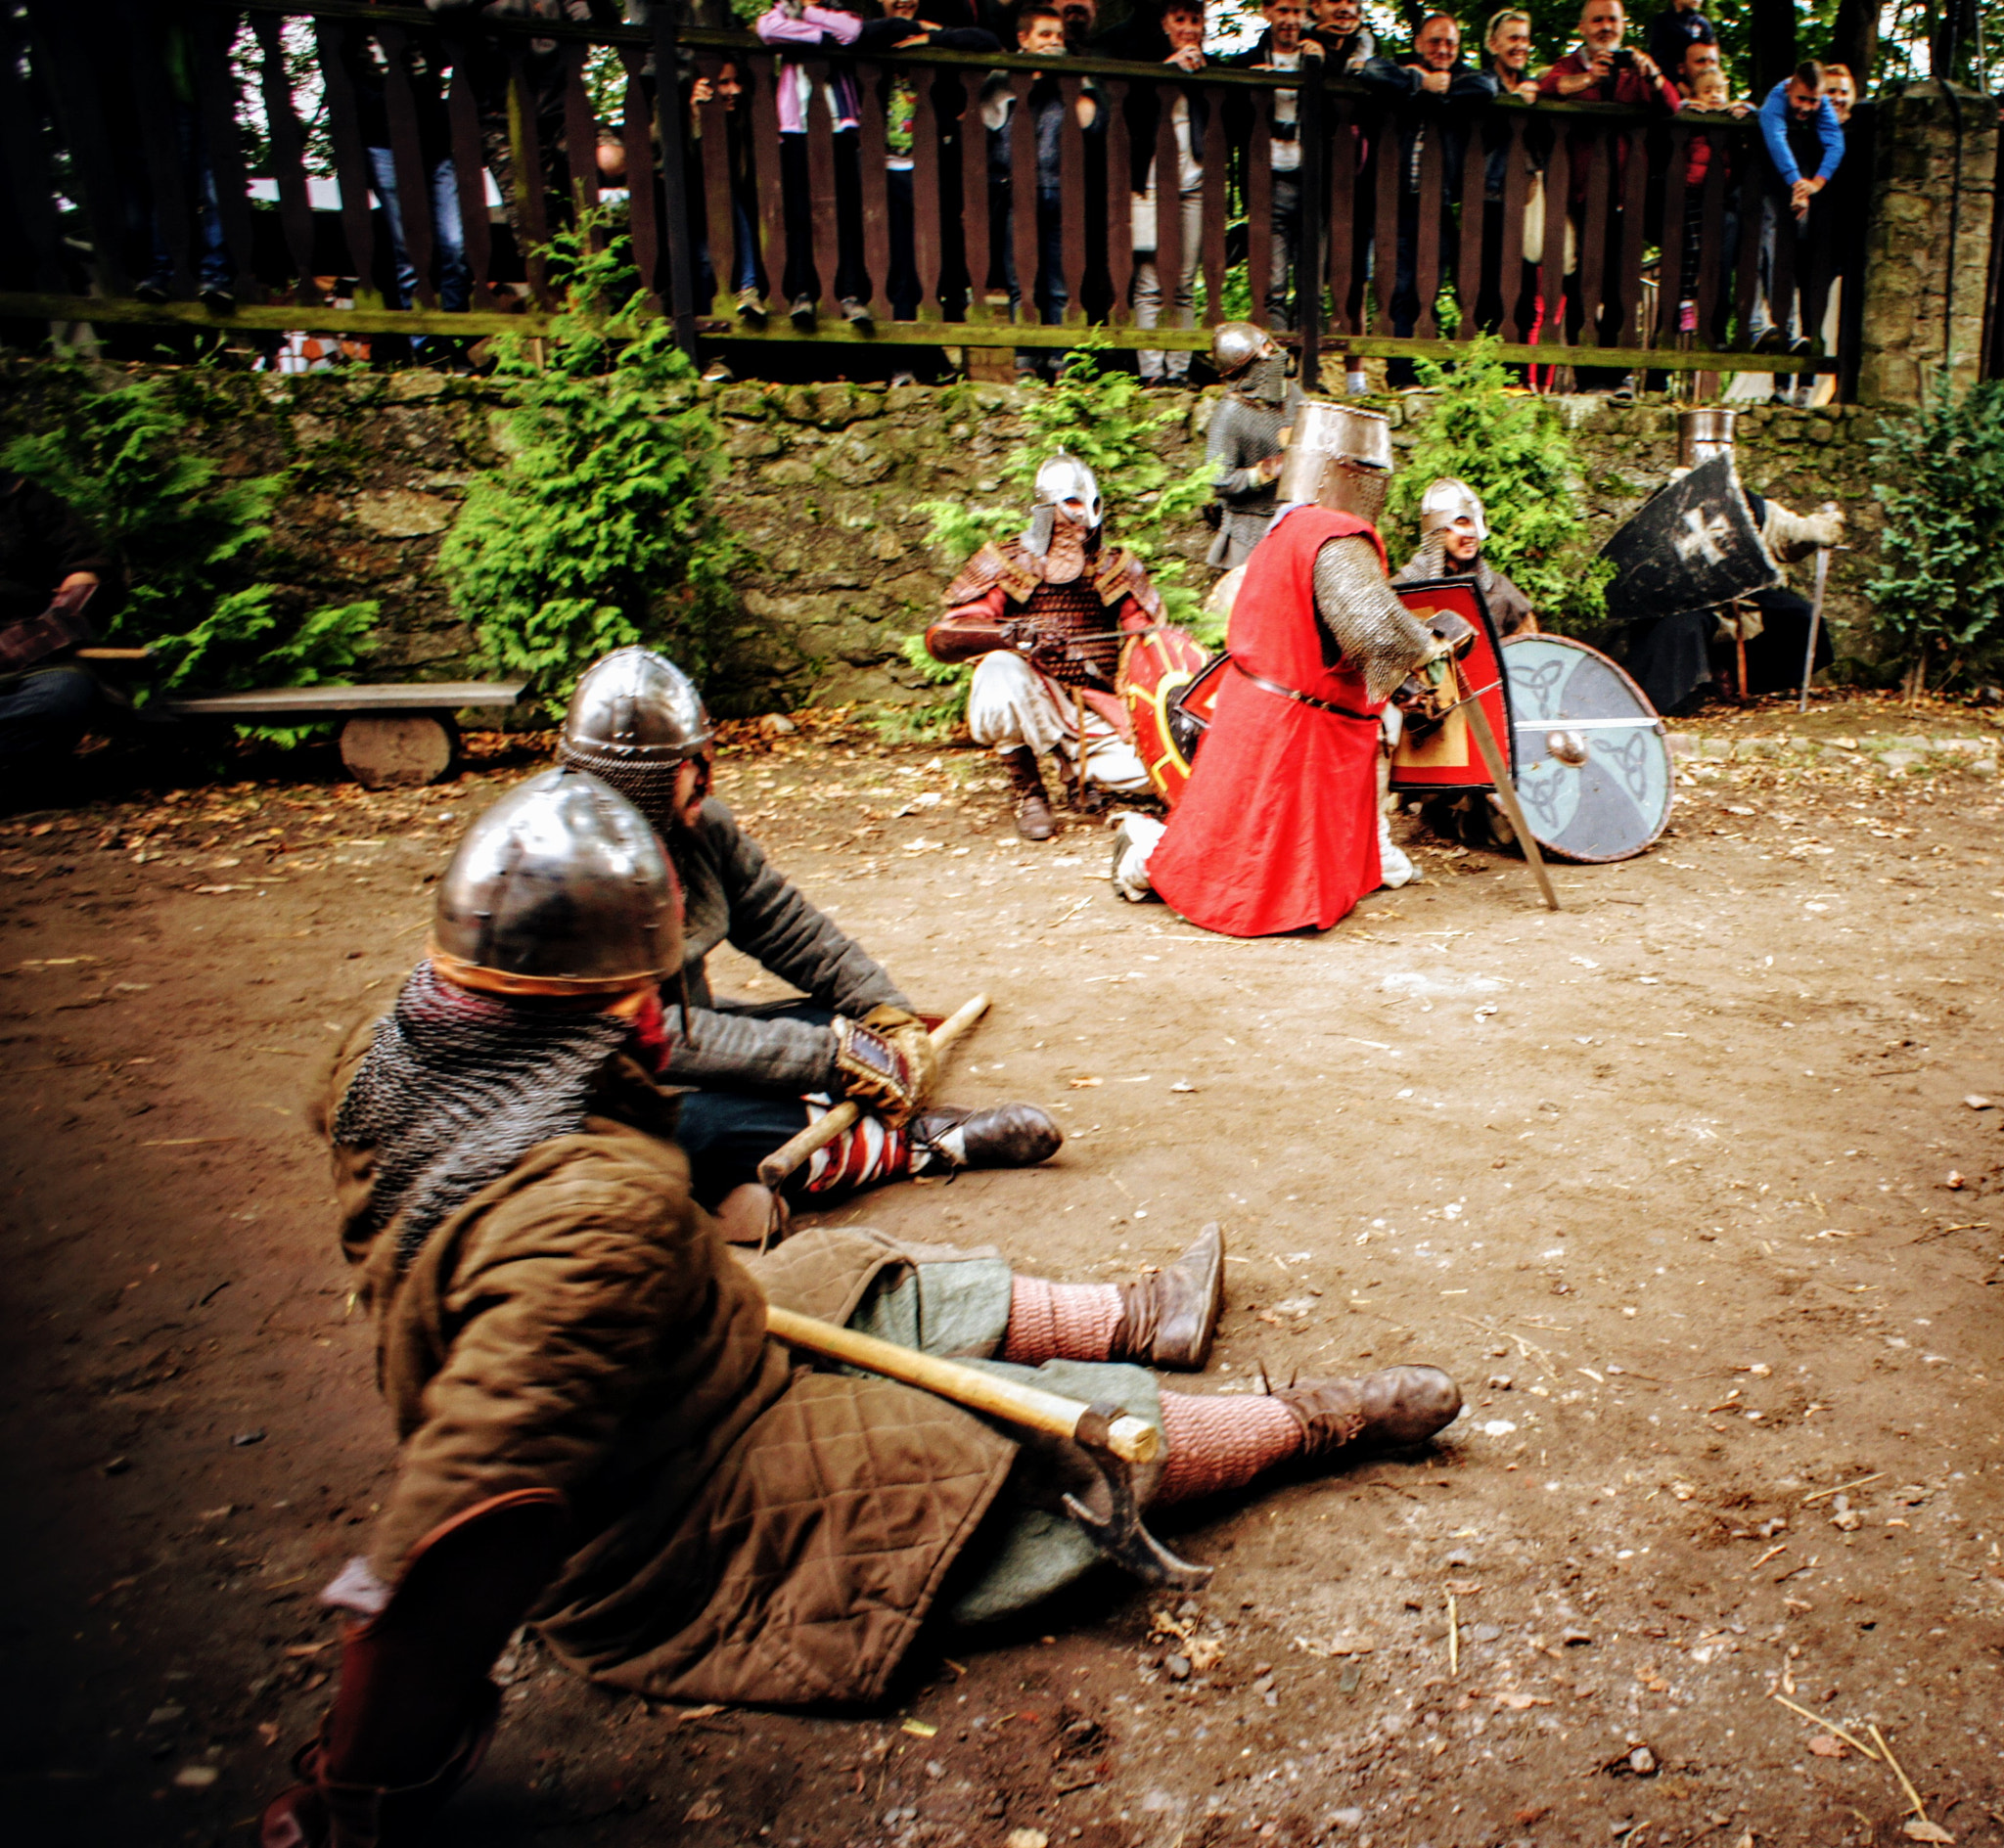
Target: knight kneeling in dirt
<point>1043,618</point>
<point>600,1436</point>
<point>1280,827</point>
<point>761,1073</point>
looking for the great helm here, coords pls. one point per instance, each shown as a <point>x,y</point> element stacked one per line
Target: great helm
<point>1338,457</point>
<point>1448,501</point>
<point>635,719</point>
<point>1236,346</point>
<point>1065,480</point>
<point>559,889</point>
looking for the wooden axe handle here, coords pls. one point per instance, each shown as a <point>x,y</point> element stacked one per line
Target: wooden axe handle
<point>819,1133</point>
<point>1132,1439</point>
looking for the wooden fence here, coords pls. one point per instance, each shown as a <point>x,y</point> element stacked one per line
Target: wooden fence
<point>1581,234</point>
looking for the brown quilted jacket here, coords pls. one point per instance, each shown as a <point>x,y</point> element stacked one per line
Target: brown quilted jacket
<point>744,1529</point>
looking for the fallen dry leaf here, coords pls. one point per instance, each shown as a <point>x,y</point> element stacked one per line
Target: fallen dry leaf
<point>705,1807</point>
<point>1084,1084</point>
<point>1919,1829</point>
<point>1824,1747</point>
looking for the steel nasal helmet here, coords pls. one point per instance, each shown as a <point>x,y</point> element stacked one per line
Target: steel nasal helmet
<point>1236,346</point>
<point>1066,479</point>
<point>1448,501</point>
<point>631,708</point>
<point>559,889</point>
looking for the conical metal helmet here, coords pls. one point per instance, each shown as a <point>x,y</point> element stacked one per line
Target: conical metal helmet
<point>559,889</point>
<point>635,719</point>
<point>1063,483</point>
<point>1448,501</point>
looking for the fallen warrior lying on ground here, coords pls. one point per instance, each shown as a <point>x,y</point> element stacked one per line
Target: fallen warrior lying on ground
<point>597,1435</point>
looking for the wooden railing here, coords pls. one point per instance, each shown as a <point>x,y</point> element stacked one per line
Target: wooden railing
<point>1570,231</point>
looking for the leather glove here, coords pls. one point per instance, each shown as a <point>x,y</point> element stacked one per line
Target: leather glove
<point>873,1072</point>
<point>907,1033</point>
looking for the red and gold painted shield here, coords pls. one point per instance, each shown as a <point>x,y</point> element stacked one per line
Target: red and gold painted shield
<point>1447,759</point>
<point>1156,665</point>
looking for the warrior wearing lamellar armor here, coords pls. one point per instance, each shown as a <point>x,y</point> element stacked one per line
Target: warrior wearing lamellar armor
<point>1043,618</point>
<point>1244,442</point>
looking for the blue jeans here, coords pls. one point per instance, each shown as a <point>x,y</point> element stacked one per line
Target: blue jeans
<point>44,715</point>
<point>211,254</point>
<point>448,235</point>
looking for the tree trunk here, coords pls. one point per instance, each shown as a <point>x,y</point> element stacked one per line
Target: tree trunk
<point>1771,40</point>
<point>1854,40</point>
<point>1953,50</point>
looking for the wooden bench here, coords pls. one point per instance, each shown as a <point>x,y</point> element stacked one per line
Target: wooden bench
<point>395,736</point>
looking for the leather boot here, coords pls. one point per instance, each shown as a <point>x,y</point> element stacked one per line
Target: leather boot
<point>1033,818</point>
<point>1003,1136</point>
<point>415,1709</point>
<point>1170,1319</point>
<point>1398,1407</point>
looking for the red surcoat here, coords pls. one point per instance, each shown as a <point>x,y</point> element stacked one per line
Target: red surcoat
<point>1278,826</point>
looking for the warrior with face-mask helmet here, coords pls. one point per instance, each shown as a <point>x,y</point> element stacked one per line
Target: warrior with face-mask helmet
<point>598,1436</point>
<point>1043,618</point>
<point>1453,529</point>
<point>1280,825</point>
<point>761,1074</point>
<point>1244,443</point>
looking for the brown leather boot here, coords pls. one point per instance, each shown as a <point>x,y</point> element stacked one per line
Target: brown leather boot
<point>1003,1136</point>
<point>415,1709</point>
<point>1396,1407</point>
<point>1170,1319</point>
<point>1033,818</point>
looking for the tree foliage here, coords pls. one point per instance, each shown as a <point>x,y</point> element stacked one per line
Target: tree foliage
<point>191,543</point>
<point>595,531</point>
<point>1941,582</point>
<point>1515,452</point>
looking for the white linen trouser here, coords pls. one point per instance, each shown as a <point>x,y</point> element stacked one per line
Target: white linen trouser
<point>1011,705</point>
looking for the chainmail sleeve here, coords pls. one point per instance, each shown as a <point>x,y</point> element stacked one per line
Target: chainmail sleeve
<point>1371,630</point>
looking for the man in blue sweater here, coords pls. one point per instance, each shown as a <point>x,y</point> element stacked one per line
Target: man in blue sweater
<point>1805,144</point>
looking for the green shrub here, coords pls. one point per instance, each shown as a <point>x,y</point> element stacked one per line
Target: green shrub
<point>1515,452</point>
<point>1100,417</point>
<point>191,543</point>
<point>1939,589</point>
<point>595,531</point>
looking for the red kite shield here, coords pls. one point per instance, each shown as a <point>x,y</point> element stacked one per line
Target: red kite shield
<point>1155,668</point>
<point>1446,757</point>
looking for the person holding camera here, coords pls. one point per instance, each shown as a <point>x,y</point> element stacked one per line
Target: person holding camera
<point>1603,70</point>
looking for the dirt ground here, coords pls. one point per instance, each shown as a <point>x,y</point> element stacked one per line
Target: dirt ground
<point>1689,1185</point>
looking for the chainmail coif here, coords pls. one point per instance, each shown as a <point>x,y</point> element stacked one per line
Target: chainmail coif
<point>456,1089</point>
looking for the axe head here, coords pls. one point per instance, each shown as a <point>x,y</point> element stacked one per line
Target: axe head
<point>1121,1536</point>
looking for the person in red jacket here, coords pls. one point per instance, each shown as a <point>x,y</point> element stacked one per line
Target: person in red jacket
<point>1277,829</point>
<point>1603,70</point>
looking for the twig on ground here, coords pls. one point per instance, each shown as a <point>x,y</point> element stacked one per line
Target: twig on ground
<point>1858,1484</point>
<point>1829,1726</point>
<point>1913,1796</point>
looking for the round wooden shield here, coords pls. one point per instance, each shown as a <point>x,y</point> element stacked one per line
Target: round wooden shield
<point>1156,665</point>
<point>1593,763</point>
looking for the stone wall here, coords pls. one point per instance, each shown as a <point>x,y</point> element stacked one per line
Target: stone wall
<point>825,486</point>
<point>1931,204</point>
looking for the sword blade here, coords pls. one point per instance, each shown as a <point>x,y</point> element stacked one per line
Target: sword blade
<point>1506,791</point>
<point>1816,623</point>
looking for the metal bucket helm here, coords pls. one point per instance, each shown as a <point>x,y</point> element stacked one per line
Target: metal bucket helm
<point>561,888</point>
<point>634,721</point>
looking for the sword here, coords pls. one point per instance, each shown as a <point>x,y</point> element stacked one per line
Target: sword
<point>1506,791</point>
<point>1816,623</point>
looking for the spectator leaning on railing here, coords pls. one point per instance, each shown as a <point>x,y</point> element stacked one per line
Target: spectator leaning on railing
<point>1799,128</point>
<point>1190,112</point>
<point>1602,70</point>
<point>1285,46</point>
<point>1506,43</point>
<point>1441,88</point>
<point>1347,41</point>
<point>1841,88</point>
<point>1674,30</point>
<point>1039,33</point>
